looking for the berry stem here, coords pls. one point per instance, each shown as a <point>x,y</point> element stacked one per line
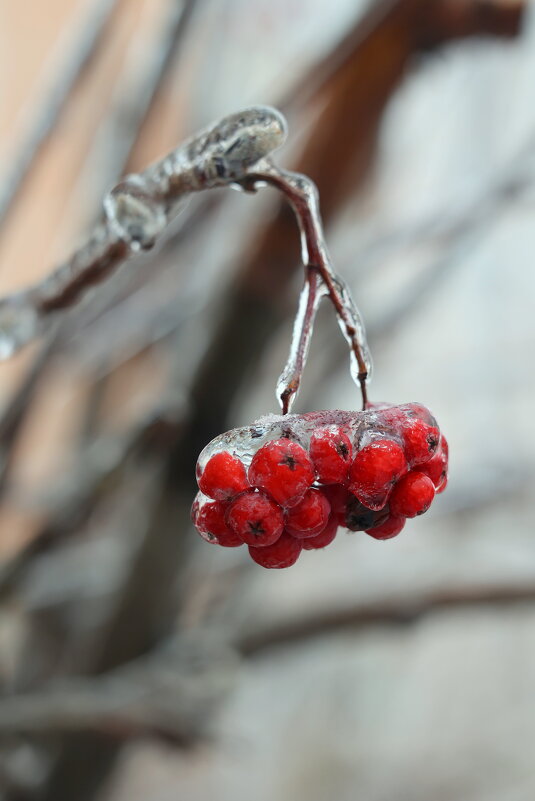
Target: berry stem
<point>320,280</point>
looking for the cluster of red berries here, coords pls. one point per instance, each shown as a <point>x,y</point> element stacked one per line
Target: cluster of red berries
<point>288,483</point>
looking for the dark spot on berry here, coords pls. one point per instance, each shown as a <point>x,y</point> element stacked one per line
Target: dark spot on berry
<point>432,441</point>
<point>342,449</point>
<point>256,528</point>
<point>289,461</point>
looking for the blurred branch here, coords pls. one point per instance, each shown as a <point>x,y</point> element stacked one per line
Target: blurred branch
<point>81,42</point>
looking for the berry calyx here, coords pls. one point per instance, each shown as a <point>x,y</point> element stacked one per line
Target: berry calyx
<point>283,553</point>
<point>209,520</point>
<point>310,515</point>
<point>331,451</point>
<point>255,519</point>
<point>223,477</point>
<point>412,495</point>
<point>324,538</point>
<point>390,528</point>
<point>374,471</point>
<point>283,469</point>
<point>420,441</point>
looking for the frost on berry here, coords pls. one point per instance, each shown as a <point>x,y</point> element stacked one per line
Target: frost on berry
<point>209,520</point>
<point>283,469</point>
<point>283,553</point>
<point>331,451</point>
<point>374,471</point>
<point>412,495</point>
<point>255,519</point>
<point>309,517</point>
<point>223,477</point>
<point>391,527</point>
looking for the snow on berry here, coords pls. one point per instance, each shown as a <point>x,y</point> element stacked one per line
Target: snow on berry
<point>287,483</point>
<point>331,451</point>
<point>309,517</point>
<point>283,553</point>
<point>223,477</point>
<point>282,468</point>
<point>374,471</point>
<point>255,518</point>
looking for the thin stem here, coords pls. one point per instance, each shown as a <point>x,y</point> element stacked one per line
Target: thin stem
<point>303,197</point>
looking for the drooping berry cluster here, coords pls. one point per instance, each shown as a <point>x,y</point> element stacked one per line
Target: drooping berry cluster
<point>288,483</point>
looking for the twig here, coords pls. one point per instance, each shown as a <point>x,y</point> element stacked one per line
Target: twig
<point>82,47</point>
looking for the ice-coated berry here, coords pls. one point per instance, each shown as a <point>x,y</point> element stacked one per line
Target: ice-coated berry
<point>309,517</point>
<point>412,495</point>
<point>256,519</point>
<point>209,520</point>
<point>223,477</point>
<point>390,528</point>
<point>338,497</point>
<point>437,467</point>
<point>374,471</point>
<point>324,538</point>
<point>331,451</point>
<point>283,553</point>
<point>420,441</point>
<point>283,469</point>
<point>359,518</point>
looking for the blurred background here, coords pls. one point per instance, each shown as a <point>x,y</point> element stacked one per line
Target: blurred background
<point>137,662</point>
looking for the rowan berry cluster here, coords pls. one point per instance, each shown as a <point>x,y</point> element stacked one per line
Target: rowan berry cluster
<point>288,483</point>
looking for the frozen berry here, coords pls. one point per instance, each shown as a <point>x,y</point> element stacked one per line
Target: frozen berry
<point>331,451</point>
<point>209,520</point>
<point>437,467</point>
<point>256,519</point>
<point>359,518</point>
<point>420,441</point>
<point>390,528</point>
<point>412,495</point>
<point>338,497</point>
<point>374,471</point>
<point>283,469</point>
<point>223,477</point>
<point>310,515</point>
<point>324,538</point>
<point>283,553</point>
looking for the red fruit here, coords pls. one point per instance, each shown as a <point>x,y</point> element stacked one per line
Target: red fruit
<point>412,495</point>
<point>421,441</point>
<point>223,477</point>
<point>283,469</point>
<point>310,515</point>
<point>374,471</point>
<point>331,451</point>
<point>390,528</point>
<point>437,467</point>
<point>339,498</point>
<point>209,520</point>
<point>283,553</point>
<point>256,519</point>
<point>324,538</point>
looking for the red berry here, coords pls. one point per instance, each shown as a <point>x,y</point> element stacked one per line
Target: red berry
<point>283,553</point>
<point>339,498</point>
<point>256,519</point>
<point>223,477</point>
<point>437,467</point>
<point>390,528</point>
<point>282,468</point>
<point>421,441</point>
<point>374,471</point>
<point>324,538</point>
<point>209,520</point>
<point>331,451</point>
<point>412,495</point>
<point>310,515</point>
